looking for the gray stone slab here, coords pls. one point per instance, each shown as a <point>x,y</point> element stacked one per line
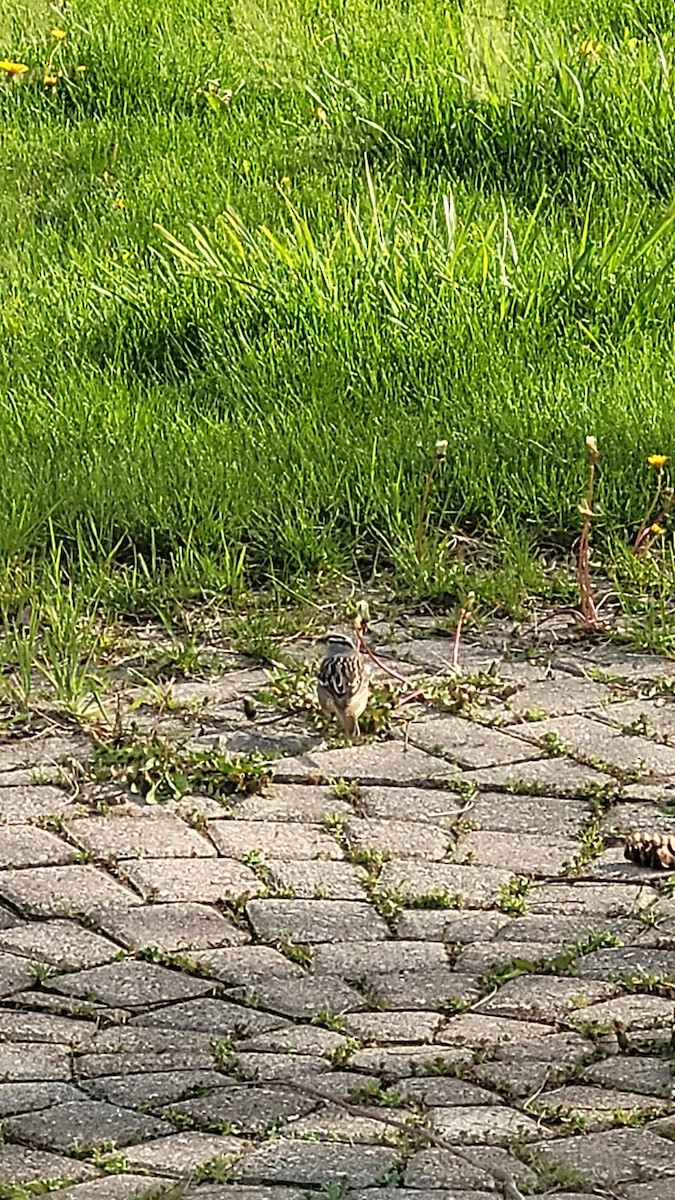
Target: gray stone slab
<point>118,1187</point>
<point>394,1027</point>
<point>545,998</point>
<point>85,1125</point>
<point>306,880</point>
<point>644,815</point>
<point>248,965</point>
<point>313,1164</point>
<point>443,990</point>
<point>16,973</point>
<point>32,1096</point>
<point>148,833</point>
<point>482,1125</point>
<point>21,1026</point>
<point>599,742</point>
<point>283,1067</point>
<point>209,1015</point>
<point>23,1164</point>
<point>292,1039</point>
<point>75,890</point>
<point>34,1060</point>
<point>63,943</point>
<point>549,816</point>
<point>44,751</point>
<point>441,925</point>
<point>380,763</point>
<point>444,1091</point>
<point>629,962</point>
<point>437,1168</point>
<point>397,839</point>
<point>460,886</point>
<point>634,1012</point>
<point>130,984</point>
<point>273,839</point>
<point>204,880</point>
<point>481,1032</point>
<point>368,960</point>
<point>170,927</point>
<point>519,853</point>
<point>315,920</point>
<point>183,1153</point>
<point>28,803</point>
<point>544,777</point>
<point>614,663</point>
<point>304,998</point>
<point>238,1191</point>
<point>28,846</point>
<point>569,930</point>
<point>650,718</point>
<point>429,805</point>
<point>423,1194</point>
<point>558,696</point>
<point>333,1124</point>
<point>647,1075</point>
<point>152,1089</point>
<point>289,802</point>
<point>589,900</point>
<point>249,1107</point>
<point>400,1061</point>
<point>598,1105</point>
<point>469,744</point>
<point>126,1050</point>
<point>614,1156</point>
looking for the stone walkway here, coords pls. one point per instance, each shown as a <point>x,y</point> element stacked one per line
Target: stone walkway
<point>419,965</point>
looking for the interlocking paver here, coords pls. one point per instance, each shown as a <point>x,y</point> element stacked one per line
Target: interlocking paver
<point>248,965</point>
<point>29,803</point>
<point>429,805</point>
<point>130,984</point>
<point>546,998</point>
<point>15,974</point>
<point>471,745</point>
<point>598,1105</point>
<point>273,839</point>
<point>383,1027</point>
<point>188,879</point>
<point>381,763</point>
<point>85,1125</point>
<point>298,998</point>
<point>600,742</point>
<point>438,1168</point>
<point>484,1125</point>
<point>34,1060</point>
<point>305,880</point>
<point>208,1015</point>
<point>25,1026</point>
<point>615,1156</point>
<point>170,927</point>
<point>34,1095</point>
<point>647,1075</point>
<point>252,1108</point>
<point>398,839</point>
<point>63,943</point>
<point>312,1164</point>
<point>183,1153</point>
<point>28,846</point>
<point>546,816</point>
<point>75,890</point>
<point>24,1164</point>
<point>545,776</point>
<point>520,853</point>
<point>316,920</point>
<point>462,886</point>
<point>145,834</point>
<point>292,802</point>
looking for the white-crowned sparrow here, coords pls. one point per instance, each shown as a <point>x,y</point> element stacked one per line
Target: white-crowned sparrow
<point>342,684</point>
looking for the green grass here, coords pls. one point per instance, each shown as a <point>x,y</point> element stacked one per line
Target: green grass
<point>259,257</point>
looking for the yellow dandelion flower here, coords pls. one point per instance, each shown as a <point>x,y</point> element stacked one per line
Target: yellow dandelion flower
<point>80,68</point>
<point>590,48</point>
<point>284,182</point>
<point>119,202</point>
<point>12,68</point>
<point>657,461</point>
<point>656,529</point>
<point>320,115</point>
<point>50,80</point>
<point>59,35</point>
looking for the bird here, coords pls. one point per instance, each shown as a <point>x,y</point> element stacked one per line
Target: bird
<point>342,684</point>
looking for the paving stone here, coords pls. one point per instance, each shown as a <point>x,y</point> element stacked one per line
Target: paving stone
<point>18,1026</point>
<point>209,1015</point>
<point>28,803</point>
<point>628,962</point>
<point>435,806</point>
<point>444,1092</point>
<point>399,839</point>
<point>335,1125</point>
<point>23,1164</point>
<point>437,1168</point>
<point>641,716</point>
<point>633,1012</point>
<point>27,846</point>
<point>171,927</point>
<point>195,879</point>
<point>650,1191</point>
<point>568,931</point>
<point>545,998</point>
<point>298,998</point>
<point>649,1076</point>
<point>519,853</point>
<point>558,696</point>
<point>636,815</point>
<point>545,776</point>
<point>44,751</point>
<point>473,1029</point>
<point>293,1039</point>
<point>615,1155</point>
<point>125,1050</point>
<point>589,899</point>
<point>379,763</point>
<point>118,1187</point>
<point>415,1194</point>
<point>567,1048</point>
<point>318,880</point>
<point>483,1125</point>
<point>8,919</point>
<point>238,1192</point>
<point>383,1027</point>
<point>268,1067</point>
<point>152,1088</point>
<point>312,1163</point>
<point>616,664</point>
<point>599,742</point>
<point>469,744</point>
<point>455,928</point>
<point>598,1106</point>
<point>316,920</point>
<point>85,1125</point>
<point>465,887</point>
<point>398,1062</point>
<point>289,802</point>
<point>29,1097</point>
<point>549,816</point>
<point>273,839</point>
<point>34,1060</point>
<point>442,990</point>
<point>63,943</point>
<point>183,1153</point>
<point>75,890</point>
<point>367,959</point>
<point>15,974</point>
<point>518,1079</point>
<point>252,1108</point>
<point>219,689</point>
<point>130,984</point>
<point>249,965</point>
<point>145,834</point>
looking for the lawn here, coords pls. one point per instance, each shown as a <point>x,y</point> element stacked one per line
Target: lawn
<point>258,258</point>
